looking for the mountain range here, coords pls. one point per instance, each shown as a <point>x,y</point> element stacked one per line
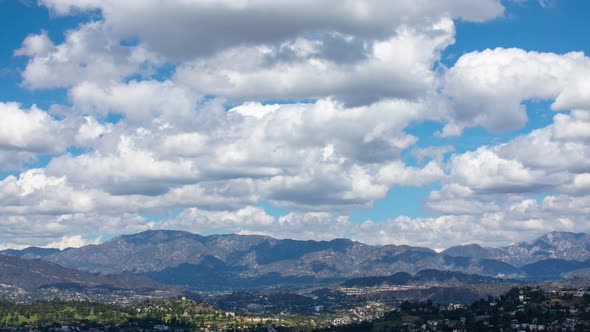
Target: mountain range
<point>554,245</point>
<point>239,261</point>
<point>226,261</point>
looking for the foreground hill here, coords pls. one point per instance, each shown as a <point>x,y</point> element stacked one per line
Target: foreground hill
<point>423,277</point>
<point>32,274</point>
<point>555,245</point>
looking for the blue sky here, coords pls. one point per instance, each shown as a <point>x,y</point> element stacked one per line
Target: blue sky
<point>421,124</point>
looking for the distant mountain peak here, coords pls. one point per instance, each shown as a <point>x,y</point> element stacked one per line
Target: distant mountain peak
<point>471,250</point>
<point>470,246</point>
<point>159,232</point>
<point>557,235</point>
<point>553,245</point>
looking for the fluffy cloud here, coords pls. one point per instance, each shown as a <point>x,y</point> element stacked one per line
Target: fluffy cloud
<point>553,159</point>
<point>36,45</point>
<point>65,230</point>
<point>485,171</point>
<point>349,155</point>
<point>30,130</point>
<point>26,133</point>
<point>551,149</point>
<point>325,156</point>
<point>34,192</point>
<point>300,69</point>
<point>487,88</point>
<point>246,51</point>
<point>126,171</point>
<point>185,29</point>
<point>397,173</point>
<point>139,102</point>
<point>88,53</point>
<point>73,241</point>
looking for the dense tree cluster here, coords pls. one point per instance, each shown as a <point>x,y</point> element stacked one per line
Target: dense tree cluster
<point>180,313</point>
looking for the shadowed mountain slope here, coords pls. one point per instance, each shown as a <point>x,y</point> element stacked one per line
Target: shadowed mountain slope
<point>31,274</point>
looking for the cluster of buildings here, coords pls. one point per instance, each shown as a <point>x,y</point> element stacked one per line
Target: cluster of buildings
<point>120,297</point>
<point>367,312</point>
<point>569,324</point>
<point>351,291</point>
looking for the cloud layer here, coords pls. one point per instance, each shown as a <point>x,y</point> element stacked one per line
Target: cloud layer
<point>193,114</point>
